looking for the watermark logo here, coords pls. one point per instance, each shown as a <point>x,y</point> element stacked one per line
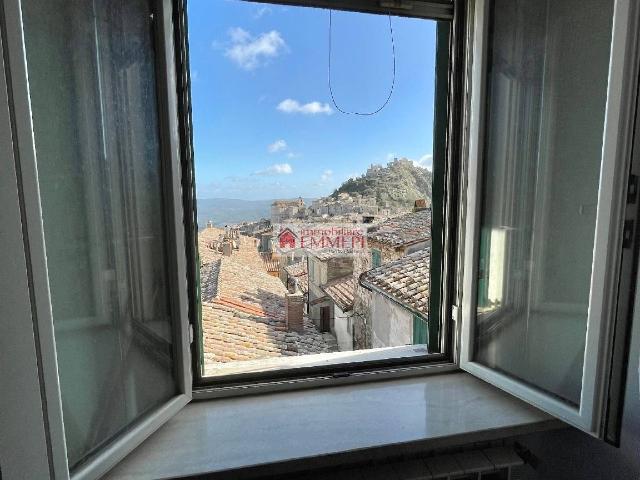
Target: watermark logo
<point>287,238</point>
<point>337,238</point>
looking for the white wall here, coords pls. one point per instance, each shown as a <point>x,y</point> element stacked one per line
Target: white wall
<point>391,325</point>
<point>342,329</point>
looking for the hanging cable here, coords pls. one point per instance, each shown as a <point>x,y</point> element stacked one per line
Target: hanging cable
<point>393,81</point>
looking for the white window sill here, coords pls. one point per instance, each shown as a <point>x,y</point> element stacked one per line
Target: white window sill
<point>322,425</point>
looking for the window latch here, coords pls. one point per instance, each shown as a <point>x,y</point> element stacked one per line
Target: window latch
<point>627,234</point>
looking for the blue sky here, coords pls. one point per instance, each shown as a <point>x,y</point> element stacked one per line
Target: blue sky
<point>264,123</point>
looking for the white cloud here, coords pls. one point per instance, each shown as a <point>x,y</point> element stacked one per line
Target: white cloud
<point>261,12</point>
<point>276,169</point>
<point>426,161</point>
<point>239,35</point>
<point>277,146</point>
<point>249,52</point>
<point>326,175</point>
<point>312,108</point>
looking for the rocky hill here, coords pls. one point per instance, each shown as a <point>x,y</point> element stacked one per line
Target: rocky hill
<point>398,184</point>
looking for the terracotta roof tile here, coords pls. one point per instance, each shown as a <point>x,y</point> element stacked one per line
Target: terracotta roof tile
<point>297,269</point>
<point>342,291</point>
<point>403,230</point>
<point>243,307</point>
<point>406,280</point>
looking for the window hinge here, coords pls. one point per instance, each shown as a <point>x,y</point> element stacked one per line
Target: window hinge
<point>190,333</point>
<point>632,189</point>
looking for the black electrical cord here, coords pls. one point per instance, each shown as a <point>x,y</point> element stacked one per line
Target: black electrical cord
<point>393,82</point>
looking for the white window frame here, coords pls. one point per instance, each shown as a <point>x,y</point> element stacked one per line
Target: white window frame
<point>16,123</point>
<point>612,191</point>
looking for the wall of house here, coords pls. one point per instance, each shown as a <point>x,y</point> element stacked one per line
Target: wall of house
<point>361,303</point>
<point>316,274</point>
<point>391,325</point>
<point>416,246</point>
<point>338,267</point>
<point>342,328</point>
<point>387,253</point>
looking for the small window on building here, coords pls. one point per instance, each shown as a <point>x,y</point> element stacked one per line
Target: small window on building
<point>376,258</point>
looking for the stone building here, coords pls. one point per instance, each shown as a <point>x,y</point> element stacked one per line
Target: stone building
<point>399,236</point>
<point>323,267</point>
<point>399,306</point>
<point>386,242</point>
<point>341,294</point>
<point>282,210</point>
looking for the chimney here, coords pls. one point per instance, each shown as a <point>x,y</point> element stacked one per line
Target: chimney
<point>420,204</point>
<point>295,307</point>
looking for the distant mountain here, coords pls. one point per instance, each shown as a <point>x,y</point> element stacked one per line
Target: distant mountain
<point>227,211</point>
<point>398,184</point>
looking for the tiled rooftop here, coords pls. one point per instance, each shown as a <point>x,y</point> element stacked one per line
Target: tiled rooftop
<point>270,264</point>
<point>299,271</point>
<point>243,308</point>
<point>406,229</point>
<point>342,291</point>
<point>406,280</point>
<point>325,253</point>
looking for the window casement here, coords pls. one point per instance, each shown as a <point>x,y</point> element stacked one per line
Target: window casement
<point>94,127</point>
<point>533,227</point>
<point>546,201</point>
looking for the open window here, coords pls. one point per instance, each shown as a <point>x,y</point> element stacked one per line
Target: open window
<point>99,97</point>
<point>99,104</point>
<point>345,243</point>
<point>94,124</point>
<point>549,160</point>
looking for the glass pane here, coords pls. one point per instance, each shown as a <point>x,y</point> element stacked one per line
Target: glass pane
<point>546,97</point>
<point>92,85</point>
<point>336,219</point>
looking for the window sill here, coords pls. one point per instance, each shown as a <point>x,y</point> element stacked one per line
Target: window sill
<point>330,426</point>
